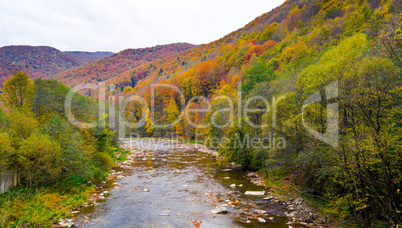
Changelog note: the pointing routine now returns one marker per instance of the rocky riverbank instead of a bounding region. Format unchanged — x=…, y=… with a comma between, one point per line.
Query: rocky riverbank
x=300, y=213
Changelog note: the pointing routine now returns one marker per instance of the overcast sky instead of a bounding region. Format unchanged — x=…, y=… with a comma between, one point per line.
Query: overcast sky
x=100, y=25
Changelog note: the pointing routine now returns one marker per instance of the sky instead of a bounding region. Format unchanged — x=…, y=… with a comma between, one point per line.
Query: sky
x=101, y=25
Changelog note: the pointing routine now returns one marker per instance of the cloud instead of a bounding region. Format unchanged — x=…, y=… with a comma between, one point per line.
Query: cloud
x=100, y=25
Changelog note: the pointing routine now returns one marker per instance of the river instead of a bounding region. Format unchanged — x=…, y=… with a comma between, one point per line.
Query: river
x=168, y=186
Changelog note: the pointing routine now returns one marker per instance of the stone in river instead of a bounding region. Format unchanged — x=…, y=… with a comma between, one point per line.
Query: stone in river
x=233, y=185
x=254, y=193
x=261, y=220
x=219, y=210
x=269, y=198
x=258, y=211
x=146, y=190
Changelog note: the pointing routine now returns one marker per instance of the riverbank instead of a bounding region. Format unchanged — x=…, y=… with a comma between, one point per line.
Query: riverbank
x=42, y=208
x=54, y=206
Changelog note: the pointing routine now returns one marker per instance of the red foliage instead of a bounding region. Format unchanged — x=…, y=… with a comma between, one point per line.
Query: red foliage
x=35, y=61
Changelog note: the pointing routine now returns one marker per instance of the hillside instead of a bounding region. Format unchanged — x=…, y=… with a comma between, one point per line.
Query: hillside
x=86, y=57
x=118, y=63
x=296, y=31
x=39, y=61
x=342, y=151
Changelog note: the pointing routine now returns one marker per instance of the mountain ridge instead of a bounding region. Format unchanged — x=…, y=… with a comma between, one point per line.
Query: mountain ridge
x=111, y=66
x=37, y=61
x=86, y=57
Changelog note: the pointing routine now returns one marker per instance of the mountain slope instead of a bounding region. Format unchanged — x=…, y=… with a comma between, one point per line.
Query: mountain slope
x=296, y=31
x=37, y=62
x=86, y=57
x=323, y=77
x=118, y=63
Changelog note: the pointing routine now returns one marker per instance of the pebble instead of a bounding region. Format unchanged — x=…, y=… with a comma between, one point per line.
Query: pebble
x=261, y=220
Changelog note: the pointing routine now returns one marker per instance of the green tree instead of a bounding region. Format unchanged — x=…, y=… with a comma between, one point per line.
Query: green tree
x=237, y=149
x=39, y=160
x=49, y=97
x=258, y=72
x=74, y=157
x=6, y=152
x=22, y=126
x=268, y=32
x=18, y=91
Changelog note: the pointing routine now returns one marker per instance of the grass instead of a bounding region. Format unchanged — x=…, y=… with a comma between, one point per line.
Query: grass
x=42, y=208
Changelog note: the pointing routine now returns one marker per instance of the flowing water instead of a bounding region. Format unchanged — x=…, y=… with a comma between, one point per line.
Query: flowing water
x=184, y=186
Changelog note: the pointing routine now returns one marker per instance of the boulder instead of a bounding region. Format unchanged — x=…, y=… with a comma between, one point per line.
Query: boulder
x=220, y=210
x=269, y=198
x=254, y=193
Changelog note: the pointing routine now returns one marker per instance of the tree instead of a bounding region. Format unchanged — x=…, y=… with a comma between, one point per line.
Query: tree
x=267, y=33
x=171, y=112
x=149, y=125
x=258, y=72
x=390, y=39
x=22, y=126
x=49, y=97
x=39, y=160
x=18, y=91
x=6, y=152
x=74, y=154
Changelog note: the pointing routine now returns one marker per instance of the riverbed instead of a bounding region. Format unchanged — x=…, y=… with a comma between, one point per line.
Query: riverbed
x=168, y=185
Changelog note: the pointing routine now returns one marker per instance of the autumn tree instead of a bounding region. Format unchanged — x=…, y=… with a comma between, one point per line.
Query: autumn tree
x=171, y=112
x=6, y=152
x=18, y=91
x=39, y=160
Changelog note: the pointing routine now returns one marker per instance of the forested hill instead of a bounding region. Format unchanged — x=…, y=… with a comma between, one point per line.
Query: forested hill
x=39, y=61
x=282, y=38
x=86, y=57
x=118, y=63
x=348, y=54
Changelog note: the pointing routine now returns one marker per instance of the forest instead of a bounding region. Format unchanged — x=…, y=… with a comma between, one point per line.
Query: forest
x=58, y=164
x=330, y=72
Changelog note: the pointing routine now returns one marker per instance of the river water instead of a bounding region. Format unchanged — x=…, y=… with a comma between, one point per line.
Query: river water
x=184, y=186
